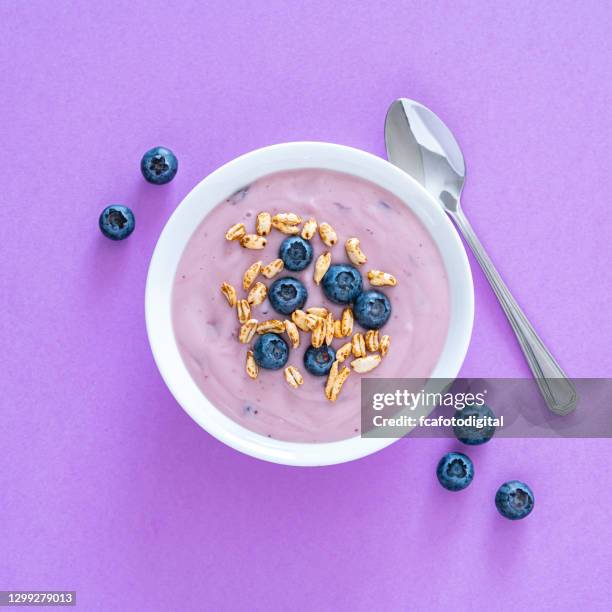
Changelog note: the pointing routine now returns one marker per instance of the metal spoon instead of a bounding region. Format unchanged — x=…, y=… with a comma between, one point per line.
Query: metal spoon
x=419, y=143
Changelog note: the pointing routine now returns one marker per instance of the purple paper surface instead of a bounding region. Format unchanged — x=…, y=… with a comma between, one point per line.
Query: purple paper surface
x=106, y=486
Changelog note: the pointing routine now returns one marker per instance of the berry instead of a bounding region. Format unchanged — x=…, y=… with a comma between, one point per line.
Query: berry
x=159, y=165
x=270, y=352
x=514, y=500
x=372, y=309
x=117, y=222
x=318, y=361
x=296, y=253
x=342, y=283
x=287, y=294
x=470, y=434
x=455, y=471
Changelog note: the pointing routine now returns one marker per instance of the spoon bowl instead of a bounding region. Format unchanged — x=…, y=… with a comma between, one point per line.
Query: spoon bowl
x=428, y=147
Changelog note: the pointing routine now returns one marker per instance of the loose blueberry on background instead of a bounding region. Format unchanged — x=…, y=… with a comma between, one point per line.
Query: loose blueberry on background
x=117, y=222
x=159, y=165
x=296, y=253
x=342, y=283
x=455, y=471
x=372, y=309
x=470, y=434
x=270, y=352
x=287, y=294
x=514, y=500
x=318, y=361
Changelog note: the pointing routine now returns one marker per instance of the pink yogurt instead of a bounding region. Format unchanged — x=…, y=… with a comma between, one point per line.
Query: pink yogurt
x=206, y=328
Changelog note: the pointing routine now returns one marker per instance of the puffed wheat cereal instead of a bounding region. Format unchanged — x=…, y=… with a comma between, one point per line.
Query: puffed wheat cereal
x=230, y=294
x=366, y=364
x=322, y=266
x=293, y=377
x=236, y=232
x=252, y=369
x=253, y=241
x=263, y=224
x=354, y=252
x=250, y=275
x=379, y=278
x=328, y=234
x=273, y=268
x=309, y=229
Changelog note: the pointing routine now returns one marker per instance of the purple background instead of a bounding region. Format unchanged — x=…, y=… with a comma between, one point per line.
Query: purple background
x=106, y=485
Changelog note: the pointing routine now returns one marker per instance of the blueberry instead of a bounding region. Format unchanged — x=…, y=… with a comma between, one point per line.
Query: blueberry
x=372, y=309
x=470, y=434
x=296, y=253
x=287, y=294
x=342, y=283
x=159, y=165
x=270, y=352
x=318, y=361
x=514, y=500
x=455, y=471
x=117, y=222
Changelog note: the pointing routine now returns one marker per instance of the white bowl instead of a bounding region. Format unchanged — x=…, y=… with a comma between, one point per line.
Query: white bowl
x=214, y=189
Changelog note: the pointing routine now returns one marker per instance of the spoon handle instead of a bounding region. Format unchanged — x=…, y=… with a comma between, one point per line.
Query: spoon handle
x=559, y=393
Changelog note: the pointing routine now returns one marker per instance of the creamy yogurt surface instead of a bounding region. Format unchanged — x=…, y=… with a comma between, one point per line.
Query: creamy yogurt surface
x=206, y=327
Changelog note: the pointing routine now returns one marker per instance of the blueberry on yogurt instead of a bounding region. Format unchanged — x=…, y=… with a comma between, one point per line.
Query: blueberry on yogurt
x=318, y=361
x=159, y=165
x=117, y=222
x=342, y=283
x=514, y=500
x=296, y=253
x=455, y=471
x=270, y=352
x=372, y=309
x=287, y=294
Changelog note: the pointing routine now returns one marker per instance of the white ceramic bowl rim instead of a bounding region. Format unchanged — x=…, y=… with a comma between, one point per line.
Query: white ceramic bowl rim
x=230, y=178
